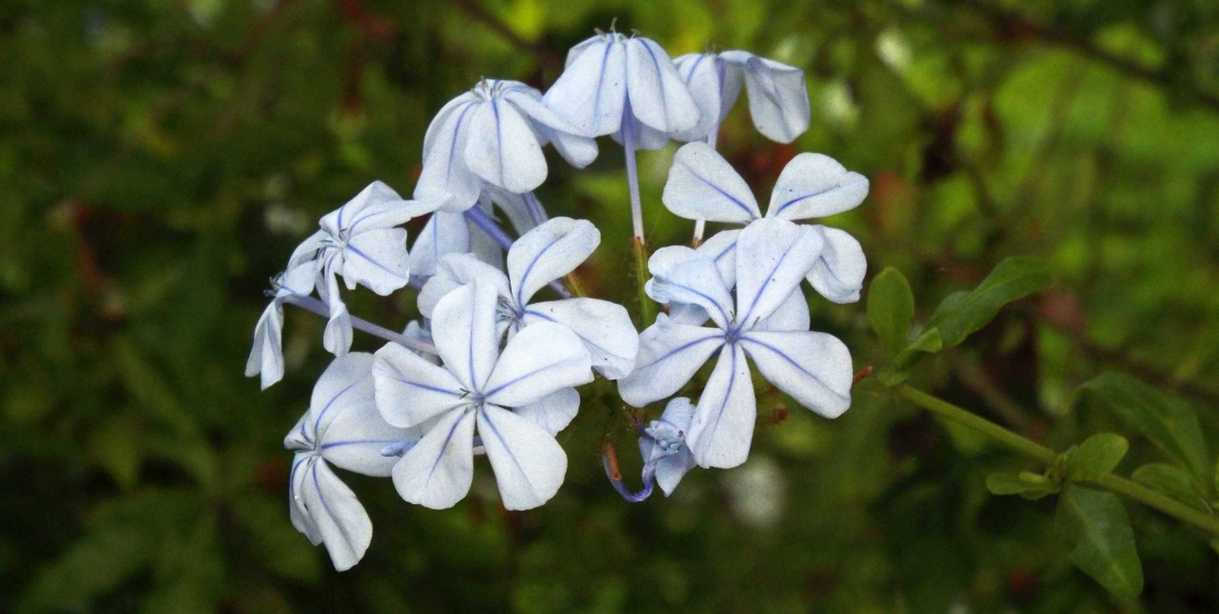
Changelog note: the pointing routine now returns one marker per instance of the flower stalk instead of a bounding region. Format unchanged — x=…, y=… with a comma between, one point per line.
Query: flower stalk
x=313, y=305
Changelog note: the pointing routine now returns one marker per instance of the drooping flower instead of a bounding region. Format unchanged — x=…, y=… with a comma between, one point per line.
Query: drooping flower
x=267, y=354
x=773, y=256
x=342, y=428
x=614, y=83
x=361, y=243
x=778, y=97
x=703, y=185
x=666, y=456
x=501, y=393
x=540, y=256
x=493, y=135
x=447, y=233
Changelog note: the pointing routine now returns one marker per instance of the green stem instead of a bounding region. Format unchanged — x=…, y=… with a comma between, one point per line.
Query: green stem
x=647, y=311
x=1047, y=456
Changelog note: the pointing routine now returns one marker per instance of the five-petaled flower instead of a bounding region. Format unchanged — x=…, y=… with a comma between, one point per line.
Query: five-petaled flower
x=359, y=241
x=343, y=428
x=772, y=257
x=494, y=133
x=615, y=84
x=540, y=256
x=518, y=398
x=778, y=97
x=703, y=185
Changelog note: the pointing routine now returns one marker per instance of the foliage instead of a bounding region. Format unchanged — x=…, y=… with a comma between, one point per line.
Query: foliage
x=160, y=159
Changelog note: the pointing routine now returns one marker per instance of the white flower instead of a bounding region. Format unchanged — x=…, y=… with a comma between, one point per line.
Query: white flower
x=778, y=97
x=479, y=385
x=359, y=242
x=613, y=83
x=542, y=255
x=702, y=185
x=343, y=428
x=773, y=255
x=267, y=354
x=494, y=134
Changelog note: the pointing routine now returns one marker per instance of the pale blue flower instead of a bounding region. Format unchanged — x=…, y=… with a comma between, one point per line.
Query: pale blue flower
x=666, y=456
x=267, y=355
x=361, y=243
x=773, y=256
x=613, y=83
x=342, y=428
x=778, y=97
x=477, y=385
x=703, y=185
x=493, y=135
x=540, y=256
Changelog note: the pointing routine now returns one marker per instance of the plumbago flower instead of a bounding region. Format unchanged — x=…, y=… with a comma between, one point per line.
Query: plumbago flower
x=507, y=395
x=778, y=97
x=539, y=257
x=666, y=457
x=627, y=87
x=493, y=135
x=773, y=256
x=267, y=354
x=342, y=428
x=358, y=242
x=702, y=185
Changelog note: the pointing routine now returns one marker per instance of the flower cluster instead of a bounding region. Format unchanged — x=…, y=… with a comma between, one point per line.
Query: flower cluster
x=493, y=365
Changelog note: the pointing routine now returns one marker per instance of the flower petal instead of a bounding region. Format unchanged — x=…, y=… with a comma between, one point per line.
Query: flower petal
x=669, y=355
x=376, y=206
x=344, y=383
x=524, y=211
x=529, y=465
x=444, y=117
x=341, y=522
x=539, y=360
x=702, y=185
x=444, y=233
x=839, y=272
x=438, y=471
x=772, y=258
x=457, y=270
x=336, y=337
x=814, y=185
x=547, y=253
x=813, y=368
x=503, y=149
x=297, y=511
x=701, y=74
x=722, y=429
x=579, y=151
x=778, y=96
x=792, y=314
x=721, y=248
x=591, y=92
x=378, y=260
x=445, y=177
x=266, y=355
x=659, y=98
x=605, y=328
x=554, y=411
x=671, y=469
x=463, y=325
x=411, y=390
x=358, y=433
x=680, y=275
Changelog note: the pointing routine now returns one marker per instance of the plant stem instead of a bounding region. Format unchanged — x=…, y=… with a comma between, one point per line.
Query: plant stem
x=1047, y=456
x=647, y=311
x=632, y=173
x=313, y=305
x=700, y=226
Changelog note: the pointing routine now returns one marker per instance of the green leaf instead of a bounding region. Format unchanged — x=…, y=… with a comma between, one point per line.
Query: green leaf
x=890, y=308
x=1168, y=422
x=1172, y=481
x=963, y=313
x=1096, y=456
x=1095, y=526
x=1027, y=484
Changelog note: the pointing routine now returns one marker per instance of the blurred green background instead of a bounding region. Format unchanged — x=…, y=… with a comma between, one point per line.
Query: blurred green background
x=160, y=159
